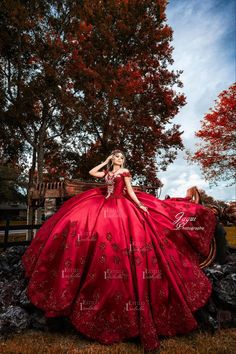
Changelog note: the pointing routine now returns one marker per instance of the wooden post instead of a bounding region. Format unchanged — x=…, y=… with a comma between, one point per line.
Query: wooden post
x=30, y=210
x=6, y=234
x=30, y=215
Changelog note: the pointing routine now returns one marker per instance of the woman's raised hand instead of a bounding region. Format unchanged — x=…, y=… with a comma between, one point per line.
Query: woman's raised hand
x=108, y=159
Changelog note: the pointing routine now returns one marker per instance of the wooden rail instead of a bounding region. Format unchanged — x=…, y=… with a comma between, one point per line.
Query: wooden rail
x=6, y=243
x=69, y=188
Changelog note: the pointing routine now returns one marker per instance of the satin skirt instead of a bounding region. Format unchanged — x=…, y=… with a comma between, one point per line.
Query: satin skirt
x=118, y=272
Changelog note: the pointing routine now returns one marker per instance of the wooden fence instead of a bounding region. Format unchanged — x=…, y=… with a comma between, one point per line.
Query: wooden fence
x=43, y=195
x=5, y=233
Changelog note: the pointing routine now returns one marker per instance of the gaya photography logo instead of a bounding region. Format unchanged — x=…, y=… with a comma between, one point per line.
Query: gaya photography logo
x=135, y=305
x=88, y=305
x=86, y=236
x=116, y=274
x=71, y=273
x=152, y=274
x=113, y=213
x=181, y=221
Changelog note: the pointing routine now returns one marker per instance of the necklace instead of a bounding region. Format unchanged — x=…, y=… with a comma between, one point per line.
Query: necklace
x=110, y=182
x=114, y=173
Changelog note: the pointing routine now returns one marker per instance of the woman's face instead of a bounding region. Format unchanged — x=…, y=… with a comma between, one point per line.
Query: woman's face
x=118, y=158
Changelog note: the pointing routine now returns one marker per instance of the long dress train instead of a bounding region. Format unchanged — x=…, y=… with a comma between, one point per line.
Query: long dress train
x=118, y=272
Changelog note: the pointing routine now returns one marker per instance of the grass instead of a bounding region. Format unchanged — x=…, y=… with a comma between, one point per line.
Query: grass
x=231, y=235
x=38, y=342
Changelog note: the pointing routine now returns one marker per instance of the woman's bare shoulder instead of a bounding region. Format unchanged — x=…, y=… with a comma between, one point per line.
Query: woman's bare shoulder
x=124, y=170
x=126, y=173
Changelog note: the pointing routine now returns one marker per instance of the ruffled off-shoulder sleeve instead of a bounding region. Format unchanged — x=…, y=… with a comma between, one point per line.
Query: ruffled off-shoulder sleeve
x=126, y=174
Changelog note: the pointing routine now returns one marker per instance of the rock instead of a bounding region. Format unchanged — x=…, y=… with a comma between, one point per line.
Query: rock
x=10, y=292
x=24, y=301
x=38, y=320
x=225, y=291
x=223, y=298
x=214, y=273
x=13, y=318
x=10, y=263
x=226, y=318
x=18, y=313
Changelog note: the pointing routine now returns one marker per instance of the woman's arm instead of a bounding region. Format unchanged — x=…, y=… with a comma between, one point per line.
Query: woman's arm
x=132, y=194
x=94, y=171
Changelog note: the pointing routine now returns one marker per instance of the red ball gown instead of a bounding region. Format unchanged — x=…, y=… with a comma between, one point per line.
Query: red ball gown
x=118, y=272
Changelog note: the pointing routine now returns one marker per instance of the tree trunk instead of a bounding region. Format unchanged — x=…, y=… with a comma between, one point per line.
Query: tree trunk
x=40, y=165
x=30, y=210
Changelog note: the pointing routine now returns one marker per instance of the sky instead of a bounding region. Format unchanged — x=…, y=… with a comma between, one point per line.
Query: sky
x=204, y=42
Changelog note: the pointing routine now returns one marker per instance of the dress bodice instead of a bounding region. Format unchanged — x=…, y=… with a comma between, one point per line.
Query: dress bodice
x=115, y=184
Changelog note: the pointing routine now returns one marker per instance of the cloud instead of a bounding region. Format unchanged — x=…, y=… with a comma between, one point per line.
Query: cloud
x=203, y=48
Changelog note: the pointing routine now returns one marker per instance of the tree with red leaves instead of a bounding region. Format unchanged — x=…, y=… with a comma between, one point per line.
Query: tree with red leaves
x=216, y=152
x=79, y=79
x=120, y=54
x=37, y=108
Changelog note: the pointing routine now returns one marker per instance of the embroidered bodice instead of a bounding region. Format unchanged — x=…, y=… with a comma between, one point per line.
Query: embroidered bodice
x=115, y=183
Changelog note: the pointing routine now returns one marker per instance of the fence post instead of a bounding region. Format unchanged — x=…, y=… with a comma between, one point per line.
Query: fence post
x=6, y=234
x=30, y=221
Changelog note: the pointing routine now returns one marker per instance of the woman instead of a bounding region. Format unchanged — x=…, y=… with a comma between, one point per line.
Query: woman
x=120, y=263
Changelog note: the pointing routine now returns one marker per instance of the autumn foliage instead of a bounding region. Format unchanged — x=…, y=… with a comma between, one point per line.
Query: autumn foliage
x=216, y=152
x=79, y=79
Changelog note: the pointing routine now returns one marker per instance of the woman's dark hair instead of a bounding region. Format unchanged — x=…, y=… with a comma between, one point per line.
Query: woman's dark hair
x=109, y=165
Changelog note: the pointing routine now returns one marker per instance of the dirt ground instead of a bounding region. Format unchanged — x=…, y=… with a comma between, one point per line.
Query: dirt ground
x=38, y=342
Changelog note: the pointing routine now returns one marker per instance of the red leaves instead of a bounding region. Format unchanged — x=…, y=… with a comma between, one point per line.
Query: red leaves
x=168, y=96
x=33, y=60
x=103, y=77
x=215, y=154
x=70, y=85
x=84, y=31
x=85, y=28
x=163, y=33
x=75, y=54
x=129, y=80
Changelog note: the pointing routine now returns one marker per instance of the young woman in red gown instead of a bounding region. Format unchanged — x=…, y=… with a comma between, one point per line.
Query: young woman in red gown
x=120, y=263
